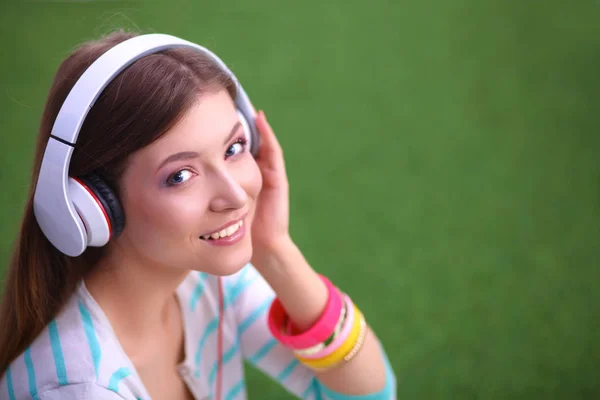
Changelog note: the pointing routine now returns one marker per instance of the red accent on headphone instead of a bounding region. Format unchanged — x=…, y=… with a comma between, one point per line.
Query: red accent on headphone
x=220, y=340
x=99, y=205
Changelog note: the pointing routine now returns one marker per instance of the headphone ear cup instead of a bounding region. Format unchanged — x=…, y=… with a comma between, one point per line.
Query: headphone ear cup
x=91, y=212
x=98, y=207
x=109, y=201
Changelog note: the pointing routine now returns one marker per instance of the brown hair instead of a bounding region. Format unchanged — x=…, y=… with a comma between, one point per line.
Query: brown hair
x=134, y=110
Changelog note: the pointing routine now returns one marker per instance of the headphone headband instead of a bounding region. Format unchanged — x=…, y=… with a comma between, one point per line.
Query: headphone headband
x=54, y=209
x=94, y=80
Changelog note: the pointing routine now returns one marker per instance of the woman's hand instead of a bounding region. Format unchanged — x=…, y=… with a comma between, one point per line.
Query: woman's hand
x=270, y=226
x=297, y=286
x=275, y=256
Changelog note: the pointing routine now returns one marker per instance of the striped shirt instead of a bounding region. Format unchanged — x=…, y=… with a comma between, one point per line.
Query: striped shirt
x=78, y=356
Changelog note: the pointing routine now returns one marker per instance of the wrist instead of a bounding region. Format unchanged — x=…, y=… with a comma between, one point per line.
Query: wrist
x=276, y=254
x=299, y=288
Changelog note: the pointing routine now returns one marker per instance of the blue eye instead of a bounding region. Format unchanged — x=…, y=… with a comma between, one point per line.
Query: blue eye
x=179, y=177
x=238, y=147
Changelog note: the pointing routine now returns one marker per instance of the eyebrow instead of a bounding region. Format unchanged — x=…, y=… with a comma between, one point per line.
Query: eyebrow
x=188, y=155
x=182, y=155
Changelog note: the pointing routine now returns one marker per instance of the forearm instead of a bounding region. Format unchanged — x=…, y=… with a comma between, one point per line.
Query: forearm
x=304, y=296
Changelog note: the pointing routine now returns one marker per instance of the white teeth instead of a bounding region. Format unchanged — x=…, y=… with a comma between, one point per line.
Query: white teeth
x=230, y=230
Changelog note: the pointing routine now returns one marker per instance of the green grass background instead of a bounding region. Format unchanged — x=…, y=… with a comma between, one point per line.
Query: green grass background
x=443, y=157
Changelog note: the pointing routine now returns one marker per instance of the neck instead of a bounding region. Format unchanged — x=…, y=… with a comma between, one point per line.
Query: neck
x=138, y=299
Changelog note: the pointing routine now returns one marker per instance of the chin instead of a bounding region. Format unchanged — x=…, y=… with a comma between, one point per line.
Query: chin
x=225, y=261
x=226, y=270
x=229, y=268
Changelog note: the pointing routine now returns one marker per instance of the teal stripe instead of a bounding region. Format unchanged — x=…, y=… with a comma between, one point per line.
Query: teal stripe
x=263, y=351
x=235, y=390
x=9, y=385
x=117, y=377
x=254, y=315
x=210, y=328
x=307, y=392
x=237, y=290
x=90, y=333
x=313, y=388
x=287, y=370
x=227, y=356
x=240, y=278
x=233, y=291
x=30, y=374
x=59, y=361
x=198, y=290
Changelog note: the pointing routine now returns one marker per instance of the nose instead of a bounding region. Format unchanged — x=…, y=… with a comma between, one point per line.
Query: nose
x=228, y=194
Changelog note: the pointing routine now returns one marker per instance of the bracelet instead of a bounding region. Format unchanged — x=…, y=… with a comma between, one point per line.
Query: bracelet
x=340, y=352
x=290, y=329
x=315, y=351
x=316, y=334
x=341, y=338
x=359, y=344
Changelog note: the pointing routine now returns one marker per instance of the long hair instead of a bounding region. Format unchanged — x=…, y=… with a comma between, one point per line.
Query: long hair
x=135, y=109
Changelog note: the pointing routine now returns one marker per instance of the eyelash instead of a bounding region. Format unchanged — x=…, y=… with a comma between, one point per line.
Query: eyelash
x=241, y=140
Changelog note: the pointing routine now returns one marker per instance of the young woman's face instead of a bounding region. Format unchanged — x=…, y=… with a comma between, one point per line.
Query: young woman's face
x=196, y=183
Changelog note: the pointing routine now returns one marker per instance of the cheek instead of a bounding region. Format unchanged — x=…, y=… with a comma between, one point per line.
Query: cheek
x=252, y=179
x=155, y=214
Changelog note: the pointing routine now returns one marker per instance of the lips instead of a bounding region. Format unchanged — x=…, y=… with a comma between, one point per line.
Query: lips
x=225, y=232
x=233, y=234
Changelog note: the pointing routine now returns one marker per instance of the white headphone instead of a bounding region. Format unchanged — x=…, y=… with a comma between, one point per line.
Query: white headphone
x=76, y=212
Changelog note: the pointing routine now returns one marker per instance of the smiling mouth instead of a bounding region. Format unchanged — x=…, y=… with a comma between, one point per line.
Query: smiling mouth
x=225, y=232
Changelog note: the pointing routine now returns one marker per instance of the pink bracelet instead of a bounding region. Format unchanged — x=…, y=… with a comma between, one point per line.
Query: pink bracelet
x=317, y=333
x=341, y=338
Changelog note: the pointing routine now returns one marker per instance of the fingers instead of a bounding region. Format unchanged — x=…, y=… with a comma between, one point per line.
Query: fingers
x=269, y=143
x=270, y=155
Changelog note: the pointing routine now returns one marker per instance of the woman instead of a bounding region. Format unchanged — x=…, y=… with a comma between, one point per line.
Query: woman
x=204, y=274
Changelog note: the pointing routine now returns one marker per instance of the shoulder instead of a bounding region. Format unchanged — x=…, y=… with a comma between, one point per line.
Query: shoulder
x=73, y=354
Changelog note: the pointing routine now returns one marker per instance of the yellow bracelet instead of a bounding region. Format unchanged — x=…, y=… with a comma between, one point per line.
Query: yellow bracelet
x=346, y=347
x=359, y=344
